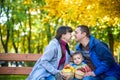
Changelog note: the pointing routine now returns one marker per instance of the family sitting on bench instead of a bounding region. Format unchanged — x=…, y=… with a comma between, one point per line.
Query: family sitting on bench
x=57, y=54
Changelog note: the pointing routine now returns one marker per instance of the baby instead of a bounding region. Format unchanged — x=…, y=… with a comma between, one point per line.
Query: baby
x=80, y=67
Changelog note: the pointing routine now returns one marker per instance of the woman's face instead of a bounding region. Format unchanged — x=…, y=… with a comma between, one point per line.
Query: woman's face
x=77, y=59
x=67, y=37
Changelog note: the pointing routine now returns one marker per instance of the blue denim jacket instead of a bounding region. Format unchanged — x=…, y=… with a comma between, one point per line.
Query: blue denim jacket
x=102, y=58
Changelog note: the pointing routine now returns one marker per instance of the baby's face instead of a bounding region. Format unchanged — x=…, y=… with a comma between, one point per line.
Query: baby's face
x=77, y=59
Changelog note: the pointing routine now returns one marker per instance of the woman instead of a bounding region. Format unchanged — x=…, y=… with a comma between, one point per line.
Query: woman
x=55, y=56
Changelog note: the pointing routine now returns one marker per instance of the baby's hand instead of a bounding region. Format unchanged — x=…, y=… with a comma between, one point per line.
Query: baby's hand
x=81, y=69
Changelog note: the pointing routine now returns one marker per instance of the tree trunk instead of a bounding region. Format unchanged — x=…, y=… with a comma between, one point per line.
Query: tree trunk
x=29, y=36
x=111, y=40
x=5, y=42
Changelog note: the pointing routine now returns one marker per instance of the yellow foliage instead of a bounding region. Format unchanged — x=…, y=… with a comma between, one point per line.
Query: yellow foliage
x=117, y=48
x=27, y=2
x=83, y=11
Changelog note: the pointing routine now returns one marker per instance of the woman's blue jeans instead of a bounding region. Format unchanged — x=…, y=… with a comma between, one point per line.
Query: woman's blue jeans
x=51, y=77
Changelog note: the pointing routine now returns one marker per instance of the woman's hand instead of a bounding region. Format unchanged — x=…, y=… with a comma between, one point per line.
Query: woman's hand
x=63, y=76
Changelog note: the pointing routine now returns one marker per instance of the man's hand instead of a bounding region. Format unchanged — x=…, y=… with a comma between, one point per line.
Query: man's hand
x=91, y=73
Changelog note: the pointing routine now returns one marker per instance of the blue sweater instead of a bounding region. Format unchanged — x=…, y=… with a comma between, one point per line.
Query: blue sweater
x=102, y=58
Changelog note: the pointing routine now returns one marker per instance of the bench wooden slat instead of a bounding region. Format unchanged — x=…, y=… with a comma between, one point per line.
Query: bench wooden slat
x=15, y=70
x=19, y=57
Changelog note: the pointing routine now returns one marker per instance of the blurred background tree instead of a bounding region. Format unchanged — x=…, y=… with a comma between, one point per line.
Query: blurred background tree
x=27, y=26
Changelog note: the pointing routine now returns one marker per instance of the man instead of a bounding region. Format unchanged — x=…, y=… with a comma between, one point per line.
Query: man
x=97, y=55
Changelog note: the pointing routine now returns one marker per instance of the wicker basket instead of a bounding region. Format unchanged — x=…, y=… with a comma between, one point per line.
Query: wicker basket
x=68, y=74
x=79, y=74
x=68, y=71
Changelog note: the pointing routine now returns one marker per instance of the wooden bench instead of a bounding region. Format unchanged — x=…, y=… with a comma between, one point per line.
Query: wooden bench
x=17, y=57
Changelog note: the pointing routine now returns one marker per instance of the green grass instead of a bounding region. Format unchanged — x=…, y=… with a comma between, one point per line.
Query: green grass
x=12, y=77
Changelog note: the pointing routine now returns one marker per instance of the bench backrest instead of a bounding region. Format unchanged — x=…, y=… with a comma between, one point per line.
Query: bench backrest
x=18, y=57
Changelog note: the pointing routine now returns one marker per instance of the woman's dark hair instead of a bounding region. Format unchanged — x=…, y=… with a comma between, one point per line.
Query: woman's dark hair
x=85, y=29
x=60, y=31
